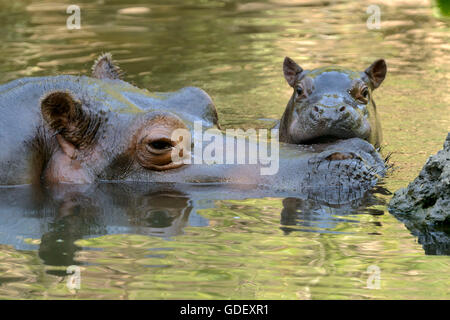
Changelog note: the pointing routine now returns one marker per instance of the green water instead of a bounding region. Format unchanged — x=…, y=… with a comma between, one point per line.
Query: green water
x=255, y=248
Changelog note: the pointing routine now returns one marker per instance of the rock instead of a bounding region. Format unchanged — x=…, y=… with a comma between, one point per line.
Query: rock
x=427, y=199
x=424, y=206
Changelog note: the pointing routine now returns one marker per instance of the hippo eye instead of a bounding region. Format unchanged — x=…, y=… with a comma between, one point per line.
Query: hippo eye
x=299, y=91
x=365, y=93
x=160, y=145
x=154, y=145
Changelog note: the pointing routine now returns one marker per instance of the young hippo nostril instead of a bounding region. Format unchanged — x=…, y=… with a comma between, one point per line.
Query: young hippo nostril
x=342, y=109
x=315, y=113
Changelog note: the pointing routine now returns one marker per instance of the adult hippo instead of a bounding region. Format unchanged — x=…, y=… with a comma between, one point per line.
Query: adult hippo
x=69, y=129
x=76, y=129
x=331, y=103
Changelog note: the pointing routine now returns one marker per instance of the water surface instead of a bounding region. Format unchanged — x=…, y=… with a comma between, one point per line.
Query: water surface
x=185, y=242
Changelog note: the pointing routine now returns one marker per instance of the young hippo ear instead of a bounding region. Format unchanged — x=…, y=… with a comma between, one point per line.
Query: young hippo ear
x=66, y=116
x=376, y=72
x=106, y=68
x=291, y=71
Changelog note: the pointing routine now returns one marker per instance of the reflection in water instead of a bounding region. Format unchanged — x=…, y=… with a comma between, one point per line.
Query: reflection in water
x=77, y=215
x=435, y=240
x=61, y=216
x=314, y=216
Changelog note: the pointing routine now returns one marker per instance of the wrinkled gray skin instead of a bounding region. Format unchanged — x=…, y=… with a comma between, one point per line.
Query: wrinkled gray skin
x=331, y=103
x=302, y=170
x=83, y=130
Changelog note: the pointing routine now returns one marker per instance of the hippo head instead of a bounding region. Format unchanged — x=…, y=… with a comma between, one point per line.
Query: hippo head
x=97, y=144
x=331, y=103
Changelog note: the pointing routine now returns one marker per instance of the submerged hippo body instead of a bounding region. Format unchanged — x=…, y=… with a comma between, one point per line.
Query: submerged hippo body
x=68, y=129
x=331, y=103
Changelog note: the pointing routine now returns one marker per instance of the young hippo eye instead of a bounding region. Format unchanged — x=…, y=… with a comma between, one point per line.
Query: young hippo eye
x=362, y=95
x=365, y=93
x=299, y=91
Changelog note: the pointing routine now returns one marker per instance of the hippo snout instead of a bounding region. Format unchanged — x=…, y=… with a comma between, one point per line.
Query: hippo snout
x=321, y=113
x=320, y=123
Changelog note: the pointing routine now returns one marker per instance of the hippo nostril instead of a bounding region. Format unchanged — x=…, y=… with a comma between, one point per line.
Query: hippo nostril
x=316, y=109
x=342, y=109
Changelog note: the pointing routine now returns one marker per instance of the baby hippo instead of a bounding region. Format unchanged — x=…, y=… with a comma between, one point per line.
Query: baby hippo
x=331, y=103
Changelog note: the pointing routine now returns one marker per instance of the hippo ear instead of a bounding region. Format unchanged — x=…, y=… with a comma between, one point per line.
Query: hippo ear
x=65, y=115
x=291, y=71
x=106, y=68
x=376, y=72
